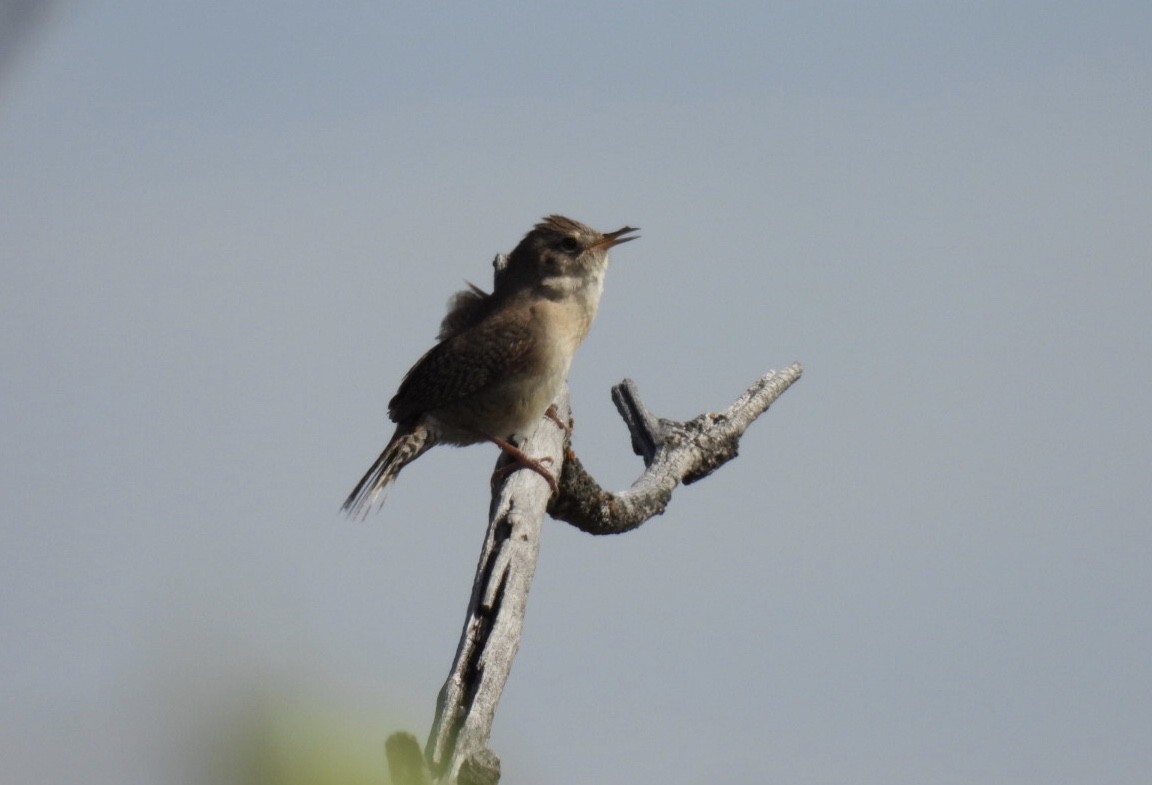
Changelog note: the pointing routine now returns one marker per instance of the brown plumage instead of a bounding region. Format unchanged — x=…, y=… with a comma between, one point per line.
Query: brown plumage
x=501, y=357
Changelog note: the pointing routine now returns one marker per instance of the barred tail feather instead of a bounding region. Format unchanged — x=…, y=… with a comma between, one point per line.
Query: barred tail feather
x=406, y=445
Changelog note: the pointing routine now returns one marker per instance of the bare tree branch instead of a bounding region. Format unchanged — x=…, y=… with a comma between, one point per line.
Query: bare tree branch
x=674, y=452
x=457, y=747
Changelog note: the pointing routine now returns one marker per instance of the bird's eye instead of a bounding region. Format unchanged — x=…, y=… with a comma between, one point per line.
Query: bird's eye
x=569, y=245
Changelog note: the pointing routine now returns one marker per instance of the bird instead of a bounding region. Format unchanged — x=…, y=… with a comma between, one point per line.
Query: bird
x=500, y=358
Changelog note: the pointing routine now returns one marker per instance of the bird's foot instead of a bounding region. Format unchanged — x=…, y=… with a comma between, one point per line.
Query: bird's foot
x=554, y=416
x=523, y=460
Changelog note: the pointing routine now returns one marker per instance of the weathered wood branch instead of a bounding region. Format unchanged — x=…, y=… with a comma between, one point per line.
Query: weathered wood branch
x=673, y=453
x=457, y=747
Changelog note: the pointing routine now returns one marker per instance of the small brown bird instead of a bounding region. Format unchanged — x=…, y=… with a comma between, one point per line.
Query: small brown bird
x=501, y=357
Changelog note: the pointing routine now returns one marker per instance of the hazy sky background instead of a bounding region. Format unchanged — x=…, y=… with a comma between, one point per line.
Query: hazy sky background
x=226, y=230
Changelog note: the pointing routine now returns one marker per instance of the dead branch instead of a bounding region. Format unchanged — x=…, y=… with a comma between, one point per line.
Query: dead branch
x=673, y=453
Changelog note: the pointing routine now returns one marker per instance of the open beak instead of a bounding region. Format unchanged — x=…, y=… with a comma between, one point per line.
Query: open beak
x=615, y=238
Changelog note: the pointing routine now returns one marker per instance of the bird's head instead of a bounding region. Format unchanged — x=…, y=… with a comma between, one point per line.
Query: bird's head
x=560, y=258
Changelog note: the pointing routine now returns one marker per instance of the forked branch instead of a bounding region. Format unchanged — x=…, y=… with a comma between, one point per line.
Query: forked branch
x=674, y=452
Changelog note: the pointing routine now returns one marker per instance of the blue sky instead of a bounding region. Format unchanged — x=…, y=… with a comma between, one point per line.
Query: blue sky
x=226, y=232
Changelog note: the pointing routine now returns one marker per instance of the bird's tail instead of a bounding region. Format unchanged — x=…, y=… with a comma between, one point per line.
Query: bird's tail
x=406, y=445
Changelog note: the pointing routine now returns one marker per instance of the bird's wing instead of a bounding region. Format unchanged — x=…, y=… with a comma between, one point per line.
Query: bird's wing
x=464, y=364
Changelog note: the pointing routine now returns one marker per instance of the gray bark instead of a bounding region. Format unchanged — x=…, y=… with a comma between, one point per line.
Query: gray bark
x=673, y=453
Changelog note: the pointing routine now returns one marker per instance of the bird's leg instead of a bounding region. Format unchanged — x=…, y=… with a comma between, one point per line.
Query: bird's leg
x=554, y=416
x=525, y=461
